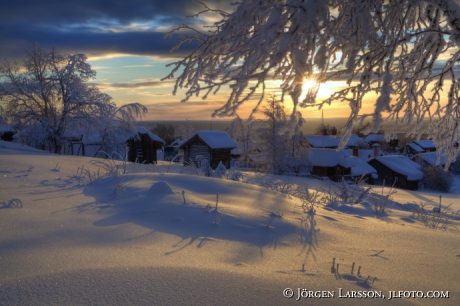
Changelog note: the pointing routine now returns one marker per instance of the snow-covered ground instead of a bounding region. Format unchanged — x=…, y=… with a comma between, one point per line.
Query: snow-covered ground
x=132, y=240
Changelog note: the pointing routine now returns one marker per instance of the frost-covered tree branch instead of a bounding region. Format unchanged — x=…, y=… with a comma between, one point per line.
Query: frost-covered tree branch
x=49, y=97
x=405, y=51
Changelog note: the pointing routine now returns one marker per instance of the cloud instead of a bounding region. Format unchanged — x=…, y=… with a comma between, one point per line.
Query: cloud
x=140, y=83
x=95, y=27
x=138, y=66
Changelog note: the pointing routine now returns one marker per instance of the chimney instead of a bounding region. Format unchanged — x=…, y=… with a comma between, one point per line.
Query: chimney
x=334, y=131
x=355, y=151
x=324, y=131
x=376, y=148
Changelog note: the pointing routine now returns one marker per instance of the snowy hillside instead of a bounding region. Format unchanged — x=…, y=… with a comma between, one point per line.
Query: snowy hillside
x=158, y=238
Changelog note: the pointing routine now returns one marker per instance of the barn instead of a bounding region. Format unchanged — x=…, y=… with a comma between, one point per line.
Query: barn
x=213, y=146
x=397, y=170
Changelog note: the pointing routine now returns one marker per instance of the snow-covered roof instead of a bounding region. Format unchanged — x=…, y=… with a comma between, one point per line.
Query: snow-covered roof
x=403, y=165
x=415, y=147
x=4, y=128
x=425, y=144
x=361, y=167
x=375, y=138
x=431, y=157
x=214, y=139
x=143, y=130
x=330, y=158
x=331, y=141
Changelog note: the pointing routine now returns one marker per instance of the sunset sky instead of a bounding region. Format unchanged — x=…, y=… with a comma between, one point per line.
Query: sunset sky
x=124, y=43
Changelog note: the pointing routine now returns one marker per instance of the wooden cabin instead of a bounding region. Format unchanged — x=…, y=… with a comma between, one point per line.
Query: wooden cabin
x=142, y=148
x=396, y=170
x=213, y=146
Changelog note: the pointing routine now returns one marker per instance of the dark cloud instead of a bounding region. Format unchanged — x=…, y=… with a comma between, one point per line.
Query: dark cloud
x=19, y=37
x=94, y=27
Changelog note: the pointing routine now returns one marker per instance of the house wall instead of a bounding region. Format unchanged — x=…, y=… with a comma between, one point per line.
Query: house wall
x=194, y=150
x=220, y=155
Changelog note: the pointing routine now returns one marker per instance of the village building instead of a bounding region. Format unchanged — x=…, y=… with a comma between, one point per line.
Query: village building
x=212, y=146
x=381, y=139
x=396, y=170
x=420, y=146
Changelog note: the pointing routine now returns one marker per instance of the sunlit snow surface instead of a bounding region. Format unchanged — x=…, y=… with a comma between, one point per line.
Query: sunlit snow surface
x=133, y=240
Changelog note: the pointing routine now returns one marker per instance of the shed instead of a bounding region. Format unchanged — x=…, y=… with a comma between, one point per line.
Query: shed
x=143, y=146
x=213, y=146
x=398, y=170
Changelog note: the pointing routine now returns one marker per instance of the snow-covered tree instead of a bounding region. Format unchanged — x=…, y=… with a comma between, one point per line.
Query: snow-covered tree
x=117, y=125
x=48, y=97
x=279, y=140
x=406, y=51
x=220, y=171
x=242, y=131
x=272, y=136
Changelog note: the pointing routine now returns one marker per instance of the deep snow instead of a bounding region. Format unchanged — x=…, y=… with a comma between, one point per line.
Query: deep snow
x=133, y=240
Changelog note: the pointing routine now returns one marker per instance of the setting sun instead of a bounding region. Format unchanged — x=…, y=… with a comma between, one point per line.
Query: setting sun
x=309, y=84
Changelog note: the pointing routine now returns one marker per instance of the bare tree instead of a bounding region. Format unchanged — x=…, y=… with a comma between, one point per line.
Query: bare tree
x=164, y=131
x=186, y=131
x=406, y=51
